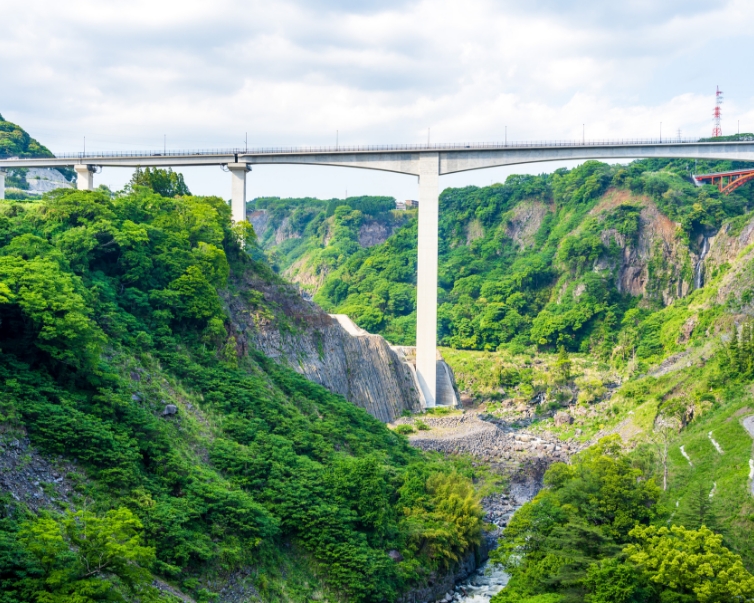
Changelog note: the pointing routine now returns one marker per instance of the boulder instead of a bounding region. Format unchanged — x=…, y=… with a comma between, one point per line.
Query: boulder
x=170, y=409
x=563, y=418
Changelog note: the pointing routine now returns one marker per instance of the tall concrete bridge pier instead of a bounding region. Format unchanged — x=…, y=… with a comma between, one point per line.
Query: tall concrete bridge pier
x=426, y=162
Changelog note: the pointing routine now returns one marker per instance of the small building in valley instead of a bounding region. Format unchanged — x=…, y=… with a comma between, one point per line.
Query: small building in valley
x=407, y=204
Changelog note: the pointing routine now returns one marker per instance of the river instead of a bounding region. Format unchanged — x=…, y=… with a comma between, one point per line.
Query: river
x=484, y=584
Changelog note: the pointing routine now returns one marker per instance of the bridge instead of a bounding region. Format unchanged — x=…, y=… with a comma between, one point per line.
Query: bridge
x=726, y=182
x=427, y=162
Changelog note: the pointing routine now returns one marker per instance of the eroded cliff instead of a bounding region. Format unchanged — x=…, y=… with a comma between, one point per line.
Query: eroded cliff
x=361, y=367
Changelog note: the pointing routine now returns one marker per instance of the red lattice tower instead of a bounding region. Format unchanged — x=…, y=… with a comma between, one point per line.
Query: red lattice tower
x=717, y=130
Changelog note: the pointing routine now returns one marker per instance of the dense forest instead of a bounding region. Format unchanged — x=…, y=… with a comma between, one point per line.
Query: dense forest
x=595, y=533
x=187, y=459
x=534, y=261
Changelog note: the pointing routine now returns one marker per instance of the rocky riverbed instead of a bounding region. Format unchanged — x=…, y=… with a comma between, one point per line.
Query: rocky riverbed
x=520, y=455
x=490, y=441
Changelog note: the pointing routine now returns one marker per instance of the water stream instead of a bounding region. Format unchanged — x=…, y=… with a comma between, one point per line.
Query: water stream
x=481, y=586
x=489, y=579
x=699, y=268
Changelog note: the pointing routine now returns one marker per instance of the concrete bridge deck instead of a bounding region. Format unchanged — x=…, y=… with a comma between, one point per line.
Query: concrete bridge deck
x=428, y=162
x=453, y=157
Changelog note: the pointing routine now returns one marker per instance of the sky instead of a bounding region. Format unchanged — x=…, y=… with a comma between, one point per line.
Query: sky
x=130, y=75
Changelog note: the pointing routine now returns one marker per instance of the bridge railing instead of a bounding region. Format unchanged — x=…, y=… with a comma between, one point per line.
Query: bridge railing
x=383, y=148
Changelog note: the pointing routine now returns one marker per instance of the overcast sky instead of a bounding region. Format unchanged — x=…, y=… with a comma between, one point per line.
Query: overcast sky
x=125, y=74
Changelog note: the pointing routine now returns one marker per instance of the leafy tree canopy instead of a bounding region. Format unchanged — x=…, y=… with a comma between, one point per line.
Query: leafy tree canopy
x=163, y=182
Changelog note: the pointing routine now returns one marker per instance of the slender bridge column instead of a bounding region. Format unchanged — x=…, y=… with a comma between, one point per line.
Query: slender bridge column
x=2, y=183
x=84, y=177
x=238, y=190
x=426, y=282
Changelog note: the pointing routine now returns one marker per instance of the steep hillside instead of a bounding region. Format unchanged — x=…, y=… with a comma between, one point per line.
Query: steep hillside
x=306, y=239
x=143, y=436
x=566, y=259
x=16, y=142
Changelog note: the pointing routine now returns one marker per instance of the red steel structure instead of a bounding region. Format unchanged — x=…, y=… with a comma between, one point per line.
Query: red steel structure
x=717, y=130
x=726, y=182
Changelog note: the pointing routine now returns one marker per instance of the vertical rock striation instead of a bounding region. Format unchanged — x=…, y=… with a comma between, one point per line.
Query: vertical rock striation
x=348, y=361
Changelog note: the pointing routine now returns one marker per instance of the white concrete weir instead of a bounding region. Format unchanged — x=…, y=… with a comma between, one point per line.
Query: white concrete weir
x=428, y=162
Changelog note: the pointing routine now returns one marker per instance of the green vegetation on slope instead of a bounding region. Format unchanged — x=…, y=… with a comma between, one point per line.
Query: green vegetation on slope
x=109, y=311
x=588, y=536
x=535, y=261
x=318, y=236
x=16, y=142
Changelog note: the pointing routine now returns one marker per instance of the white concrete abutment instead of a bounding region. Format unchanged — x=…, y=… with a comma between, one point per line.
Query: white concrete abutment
x=3, y=173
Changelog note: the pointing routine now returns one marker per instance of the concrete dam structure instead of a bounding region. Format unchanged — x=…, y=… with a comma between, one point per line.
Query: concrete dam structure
x=426, y=162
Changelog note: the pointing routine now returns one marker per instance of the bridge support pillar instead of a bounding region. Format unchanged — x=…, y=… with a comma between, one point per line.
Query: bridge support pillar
x=84, y=177
x=238, y=190
x=3, y=173
x=426, y=282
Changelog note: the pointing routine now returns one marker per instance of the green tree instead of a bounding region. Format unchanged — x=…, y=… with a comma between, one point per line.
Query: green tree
x=699, y=509
x=163, y=182
x=691, y=562
x=87, y=558
x=43, y=306
x=583, y=516
x=615, y=581
x=563, y=365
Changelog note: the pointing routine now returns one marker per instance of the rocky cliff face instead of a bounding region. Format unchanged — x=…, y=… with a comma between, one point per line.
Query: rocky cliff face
x=373, y=232
x=731, y=251
x=656, y=264
x=524, y=221
x=363, y=368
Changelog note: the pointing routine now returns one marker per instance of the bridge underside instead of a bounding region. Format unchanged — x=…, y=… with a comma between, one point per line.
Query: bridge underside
x=428, y=163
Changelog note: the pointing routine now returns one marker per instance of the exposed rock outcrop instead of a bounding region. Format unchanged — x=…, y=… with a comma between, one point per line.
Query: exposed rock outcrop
x=362, y=367
x=260, y=220
x=44, y=180
x=524, y=221
x=304, y=273
x=656, y=264
x=733, y=248
x=503, y=448
x=32, y=479
x=474, y=231
x=373, y=232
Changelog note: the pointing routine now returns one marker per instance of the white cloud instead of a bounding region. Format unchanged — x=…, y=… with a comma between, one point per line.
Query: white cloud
x=123, y=74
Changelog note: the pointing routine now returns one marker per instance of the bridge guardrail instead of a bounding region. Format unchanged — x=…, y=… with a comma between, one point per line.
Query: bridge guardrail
x=383, y=148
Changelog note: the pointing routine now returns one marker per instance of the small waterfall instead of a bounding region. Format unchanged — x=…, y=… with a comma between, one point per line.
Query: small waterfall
x=699, y=268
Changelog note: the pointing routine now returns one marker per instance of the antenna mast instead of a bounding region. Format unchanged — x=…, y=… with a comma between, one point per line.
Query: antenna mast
x=717, y=129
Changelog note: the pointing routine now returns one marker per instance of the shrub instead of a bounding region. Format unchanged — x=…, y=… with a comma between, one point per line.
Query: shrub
x=404, y=429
